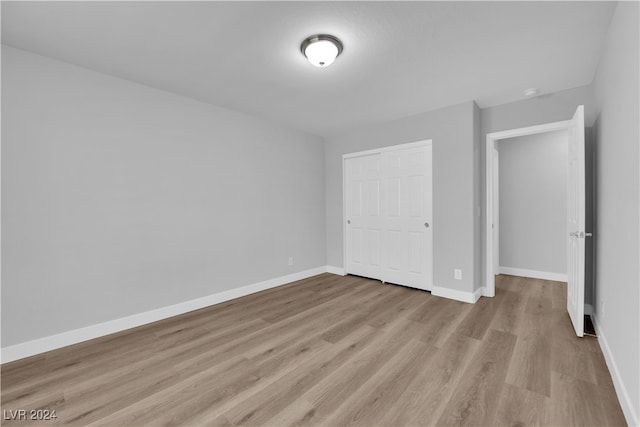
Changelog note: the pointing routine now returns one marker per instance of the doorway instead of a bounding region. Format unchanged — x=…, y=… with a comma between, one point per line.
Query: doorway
x=530, y=206
x=575, y=213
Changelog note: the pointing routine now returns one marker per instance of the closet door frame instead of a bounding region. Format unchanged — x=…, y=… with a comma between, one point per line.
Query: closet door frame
x=345, y=157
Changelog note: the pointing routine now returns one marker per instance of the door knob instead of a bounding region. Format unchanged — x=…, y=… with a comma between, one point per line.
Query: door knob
x=580, y=234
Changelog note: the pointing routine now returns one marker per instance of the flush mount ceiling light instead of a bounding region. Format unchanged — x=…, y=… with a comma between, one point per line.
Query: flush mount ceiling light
x=321, y=49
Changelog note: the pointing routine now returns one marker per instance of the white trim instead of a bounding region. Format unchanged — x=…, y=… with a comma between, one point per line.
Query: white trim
x=531, y=130
x=490, y=189
x=478, y=293
x=344, y=215
x=623, y=395
x=52, y=342
x=336, y=270
x=544, y=275
x=470, y=297
x=416, y=144
x=492, y=138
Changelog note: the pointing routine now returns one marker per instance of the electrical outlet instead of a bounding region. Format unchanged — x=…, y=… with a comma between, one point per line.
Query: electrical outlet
x=457, y=274
x=290, y=260
x=601, y=314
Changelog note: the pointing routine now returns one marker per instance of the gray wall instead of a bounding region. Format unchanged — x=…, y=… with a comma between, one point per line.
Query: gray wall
x=618, y=197
x=452, y=132
x=539, y=110
x=118, y=198
x=533, y=202
x=590, y=221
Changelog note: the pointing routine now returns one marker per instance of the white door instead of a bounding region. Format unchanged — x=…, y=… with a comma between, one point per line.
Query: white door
x=407, y=217
x=576, y=221
x=364, y=224
x=389, y=230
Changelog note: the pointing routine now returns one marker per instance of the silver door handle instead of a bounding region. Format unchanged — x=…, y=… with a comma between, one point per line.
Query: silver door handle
x=580, y=234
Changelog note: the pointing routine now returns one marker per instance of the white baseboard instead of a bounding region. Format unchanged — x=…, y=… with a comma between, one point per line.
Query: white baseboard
x=52, y=342
x=621, y=390
x=336, y=270
x=470, y=297
x=544, y=275
x=485, y=292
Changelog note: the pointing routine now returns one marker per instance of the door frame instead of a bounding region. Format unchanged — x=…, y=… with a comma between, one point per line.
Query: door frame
x=492, y=192
x=416, y=144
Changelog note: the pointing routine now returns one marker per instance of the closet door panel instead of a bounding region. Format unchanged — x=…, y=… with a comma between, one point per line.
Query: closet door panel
x=389, y=207
x=363, y=212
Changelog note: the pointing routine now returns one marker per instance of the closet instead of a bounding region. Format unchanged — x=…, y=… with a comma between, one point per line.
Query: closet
x=388, y=214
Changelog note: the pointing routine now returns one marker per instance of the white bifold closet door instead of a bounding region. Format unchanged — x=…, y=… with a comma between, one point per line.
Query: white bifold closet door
x=389, y=230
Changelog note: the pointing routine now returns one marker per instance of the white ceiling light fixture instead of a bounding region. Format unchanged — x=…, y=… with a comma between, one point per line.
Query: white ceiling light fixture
x=321, y=49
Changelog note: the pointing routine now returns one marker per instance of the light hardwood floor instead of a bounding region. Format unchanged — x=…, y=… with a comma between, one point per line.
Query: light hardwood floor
x=333, y=351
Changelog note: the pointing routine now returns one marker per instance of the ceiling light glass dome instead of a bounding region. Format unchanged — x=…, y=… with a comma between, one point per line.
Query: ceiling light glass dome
x=321, y=49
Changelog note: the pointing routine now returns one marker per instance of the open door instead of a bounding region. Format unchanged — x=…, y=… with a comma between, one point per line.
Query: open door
x=576, y=221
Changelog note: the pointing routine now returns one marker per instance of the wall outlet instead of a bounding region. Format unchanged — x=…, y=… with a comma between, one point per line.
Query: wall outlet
x=290, y=260
x=457, y=274
x=601, y=313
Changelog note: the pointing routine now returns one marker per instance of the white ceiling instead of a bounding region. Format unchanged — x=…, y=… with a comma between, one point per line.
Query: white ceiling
x=399, y=59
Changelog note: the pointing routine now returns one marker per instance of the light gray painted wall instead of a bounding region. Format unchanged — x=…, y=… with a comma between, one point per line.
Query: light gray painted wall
x=451, y=130
x=533, y=202
x=118, y=198
x=590, y=221
x=548, y=108
x=618, y=198
x=539, y=110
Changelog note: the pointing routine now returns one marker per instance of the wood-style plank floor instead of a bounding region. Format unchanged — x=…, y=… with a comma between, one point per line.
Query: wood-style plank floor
x=333, y=351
